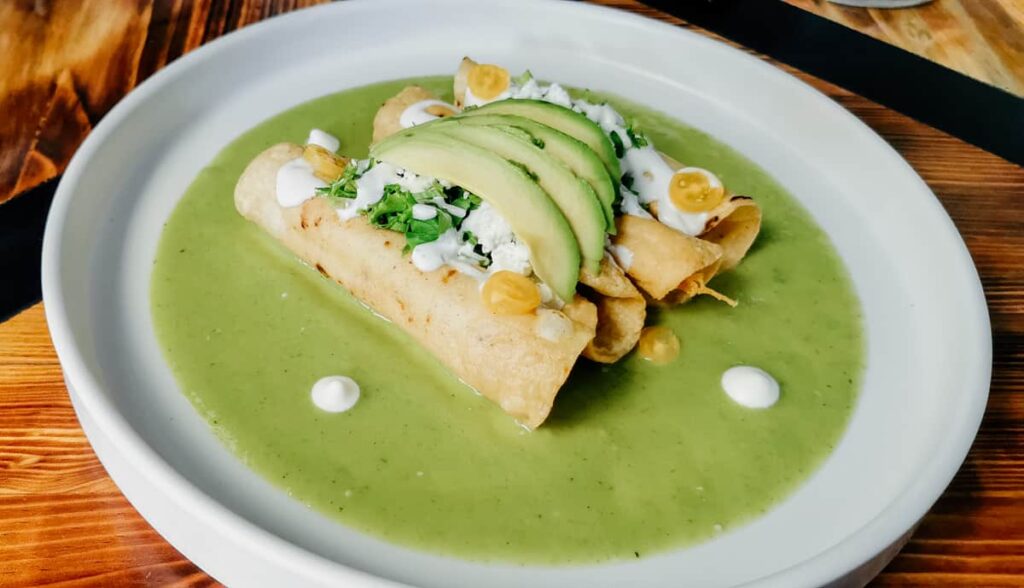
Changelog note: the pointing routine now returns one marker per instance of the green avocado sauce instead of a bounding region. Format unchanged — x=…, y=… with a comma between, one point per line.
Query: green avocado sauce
x=635, y=458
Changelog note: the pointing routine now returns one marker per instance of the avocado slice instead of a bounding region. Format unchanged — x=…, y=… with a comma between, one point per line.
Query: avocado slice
x=533, y=216
x=573, y=196
x=563, y=119
x=570, y=151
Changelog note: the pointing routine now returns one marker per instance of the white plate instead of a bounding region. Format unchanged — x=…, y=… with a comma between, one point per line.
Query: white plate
x=929, y=350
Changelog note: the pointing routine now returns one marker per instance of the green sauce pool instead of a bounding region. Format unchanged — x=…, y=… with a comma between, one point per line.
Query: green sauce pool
x=635, y=459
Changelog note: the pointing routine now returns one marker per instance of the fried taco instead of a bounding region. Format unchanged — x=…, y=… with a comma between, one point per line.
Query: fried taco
x=509, y=233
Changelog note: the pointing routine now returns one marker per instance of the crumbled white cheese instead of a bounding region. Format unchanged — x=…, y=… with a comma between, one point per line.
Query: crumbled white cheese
x=513, y=256
x=557, y=95
x=630, y=204
x=605, y=116
x=531, y=90
x=495, y=236
x=423, y=212
x=490, y=228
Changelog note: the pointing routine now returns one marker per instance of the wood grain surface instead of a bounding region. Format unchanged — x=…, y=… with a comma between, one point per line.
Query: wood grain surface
x=980, y=38
x=64, y=523
x=67, y=62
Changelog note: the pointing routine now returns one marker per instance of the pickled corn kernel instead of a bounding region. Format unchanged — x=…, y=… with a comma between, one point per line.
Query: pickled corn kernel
x=510, y=293
x=487, y=82
x=658, y=345
x=440, y=110
x=691, y=191
x=326, y=165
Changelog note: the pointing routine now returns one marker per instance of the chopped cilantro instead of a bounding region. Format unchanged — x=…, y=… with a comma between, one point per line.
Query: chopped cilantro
x=394, y=210
x=345, y=186
x=467, y=201
x=425, y=231
x=627, y=182
x=434, y=191
x=636, y=137
x=620, y=149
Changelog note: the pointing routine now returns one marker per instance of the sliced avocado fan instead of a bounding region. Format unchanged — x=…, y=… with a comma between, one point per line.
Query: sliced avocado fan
x=570, y=151
x=574, y=197
x=563, y=119
x=531, y=213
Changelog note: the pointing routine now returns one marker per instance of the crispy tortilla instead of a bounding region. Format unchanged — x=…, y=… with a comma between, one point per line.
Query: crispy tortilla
x=662, y=257
x=387, y=121
x=621, y=311
x=621, y=308
x=519, y=362
x=733, y=224
x=462, y=81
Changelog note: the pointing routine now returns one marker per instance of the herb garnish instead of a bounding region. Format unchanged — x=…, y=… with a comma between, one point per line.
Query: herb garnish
x=394, y=212
x=620, y=149
x=636, y=137
x=394, y=209
x=345, y=186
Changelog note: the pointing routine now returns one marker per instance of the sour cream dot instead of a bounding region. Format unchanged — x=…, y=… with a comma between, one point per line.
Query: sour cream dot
x=416, y=114
x=335, y=393
x=296, y=183
x=750, y=386
x=323, y=139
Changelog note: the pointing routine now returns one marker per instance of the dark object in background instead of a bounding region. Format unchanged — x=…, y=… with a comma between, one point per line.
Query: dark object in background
x=21, y=248
x=949, y=101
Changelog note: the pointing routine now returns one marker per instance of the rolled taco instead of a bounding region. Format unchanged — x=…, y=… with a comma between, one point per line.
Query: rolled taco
x=621, y=312
x=413, y=105
x=523, y=230
x=519, y=361
x=690, y=200
x=662, y=261
x=621, y=307
x=733, y=224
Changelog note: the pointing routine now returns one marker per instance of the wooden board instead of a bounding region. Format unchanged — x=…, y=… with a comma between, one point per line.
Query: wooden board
x=980, y=38
x=63, y=522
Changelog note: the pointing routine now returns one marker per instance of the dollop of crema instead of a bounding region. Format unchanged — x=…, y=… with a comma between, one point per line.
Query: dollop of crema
x=295, y=180
x=417, y=113
x=750, y=386
x=335, y=393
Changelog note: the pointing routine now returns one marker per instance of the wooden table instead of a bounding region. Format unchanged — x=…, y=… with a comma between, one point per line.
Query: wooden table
x=983, y=39
x=63, y=522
